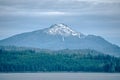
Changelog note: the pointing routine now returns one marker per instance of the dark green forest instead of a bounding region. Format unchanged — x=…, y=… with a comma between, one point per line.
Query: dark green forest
x=14, y=59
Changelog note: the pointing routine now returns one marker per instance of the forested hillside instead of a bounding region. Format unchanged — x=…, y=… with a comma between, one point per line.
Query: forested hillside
x=13, y=59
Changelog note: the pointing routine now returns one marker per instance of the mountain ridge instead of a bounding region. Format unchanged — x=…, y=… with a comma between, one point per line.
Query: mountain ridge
x=45, y=40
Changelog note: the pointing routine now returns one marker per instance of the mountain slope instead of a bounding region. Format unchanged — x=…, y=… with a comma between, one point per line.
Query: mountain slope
x=60, y=36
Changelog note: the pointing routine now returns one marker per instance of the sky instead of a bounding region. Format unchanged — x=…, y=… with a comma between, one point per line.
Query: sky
x=97, y=17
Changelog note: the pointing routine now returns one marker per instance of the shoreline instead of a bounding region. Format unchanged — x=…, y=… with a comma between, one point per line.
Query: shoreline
x=60, y=72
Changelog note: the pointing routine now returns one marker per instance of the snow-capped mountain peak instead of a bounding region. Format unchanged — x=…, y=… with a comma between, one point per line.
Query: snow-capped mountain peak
x=63, y=30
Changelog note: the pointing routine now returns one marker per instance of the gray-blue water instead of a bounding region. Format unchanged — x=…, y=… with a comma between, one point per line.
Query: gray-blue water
x=59, y=76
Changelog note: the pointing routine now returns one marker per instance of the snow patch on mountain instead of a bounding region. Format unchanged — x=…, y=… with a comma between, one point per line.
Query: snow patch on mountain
x=63, y=30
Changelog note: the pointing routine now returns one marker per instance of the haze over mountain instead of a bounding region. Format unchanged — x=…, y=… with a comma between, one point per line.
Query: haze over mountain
x=60, y=36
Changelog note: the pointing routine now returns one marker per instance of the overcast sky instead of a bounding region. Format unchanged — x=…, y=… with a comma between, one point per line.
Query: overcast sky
x=98, y=17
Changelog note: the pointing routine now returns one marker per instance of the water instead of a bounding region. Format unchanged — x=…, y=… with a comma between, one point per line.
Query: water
x=59, y=76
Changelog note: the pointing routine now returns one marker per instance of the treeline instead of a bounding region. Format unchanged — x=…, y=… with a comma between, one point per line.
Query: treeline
x=63, y=60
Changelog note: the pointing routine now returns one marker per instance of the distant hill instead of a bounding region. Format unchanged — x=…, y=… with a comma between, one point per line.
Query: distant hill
x=60, y=36
x=20, y=59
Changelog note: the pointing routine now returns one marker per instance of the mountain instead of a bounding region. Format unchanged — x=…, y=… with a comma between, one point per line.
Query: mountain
x=60, y=36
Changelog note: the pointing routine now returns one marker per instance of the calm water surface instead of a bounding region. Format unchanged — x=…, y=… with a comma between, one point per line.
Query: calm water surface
x=59, y=76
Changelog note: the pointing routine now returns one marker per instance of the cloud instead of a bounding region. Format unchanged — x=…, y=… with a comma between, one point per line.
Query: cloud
x=100, y=0
x=45, y=8
x=33, y=13
x=54, y=4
